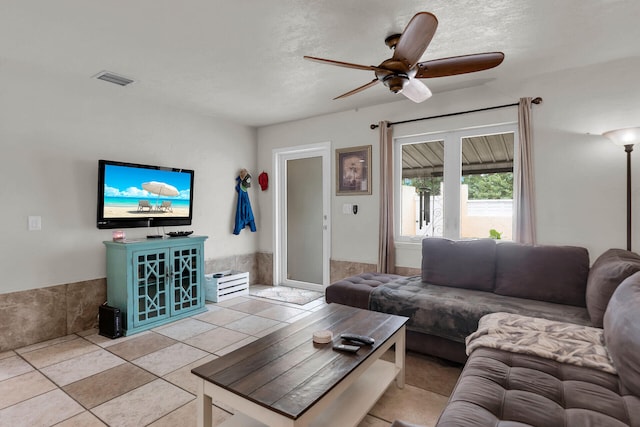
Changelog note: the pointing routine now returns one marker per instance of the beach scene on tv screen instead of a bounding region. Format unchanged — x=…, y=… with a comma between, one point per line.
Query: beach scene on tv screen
x=139, y=192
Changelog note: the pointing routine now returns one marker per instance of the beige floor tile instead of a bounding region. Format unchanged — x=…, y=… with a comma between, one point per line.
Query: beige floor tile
x=169, y=359
x=100, y=340
x=235, y=346
x=6, y=354
x=299, y=316
x=186, y=416
x=231, y=302
x=185, y=329
x=143, y=405
x=280, y=312
x=85, y=419
x=320, y=302
x=216, y=339
x=183, y=377
x=411, y=404
x=47, y=343
x=253, y=306
x=370, y=421
x=113, y=341
x=210, y=306
x=23, y=387
x=130, y=395
x=44, y=410
x=251, y=325
x=87, y=332
x=13, y=366
x=429, y=373
x=106, y=385
x=274, y=328
x=80, y=367
x=57, y=353
x=222, y=317
x=138, y=346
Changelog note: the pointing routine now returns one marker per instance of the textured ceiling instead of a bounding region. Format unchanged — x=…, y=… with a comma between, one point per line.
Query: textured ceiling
x=242, y=60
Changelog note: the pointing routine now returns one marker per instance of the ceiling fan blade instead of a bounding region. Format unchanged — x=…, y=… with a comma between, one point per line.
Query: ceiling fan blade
x=415, y=38
x=341, y=64
x=359, y=89
x=416, y=91
x=459, y=65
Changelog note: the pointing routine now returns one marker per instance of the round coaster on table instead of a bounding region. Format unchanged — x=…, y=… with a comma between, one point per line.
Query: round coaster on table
x=322, y=337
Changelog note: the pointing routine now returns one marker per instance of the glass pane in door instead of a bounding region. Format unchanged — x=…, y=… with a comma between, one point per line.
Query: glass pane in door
x=304, y=220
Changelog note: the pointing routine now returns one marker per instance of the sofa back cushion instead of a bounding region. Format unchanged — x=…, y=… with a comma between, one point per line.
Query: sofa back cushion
x=609, y=270
x=546, y=273
x=622, y=332
x=468, y=264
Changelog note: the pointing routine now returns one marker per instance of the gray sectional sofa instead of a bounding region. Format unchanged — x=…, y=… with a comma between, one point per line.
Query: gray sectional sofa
x=505, y=388
x=464, y=281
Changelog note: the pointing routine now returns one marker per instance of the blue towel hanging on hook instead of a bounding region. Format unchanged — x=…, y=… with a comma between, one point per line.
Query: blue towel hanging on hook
x=244, y=214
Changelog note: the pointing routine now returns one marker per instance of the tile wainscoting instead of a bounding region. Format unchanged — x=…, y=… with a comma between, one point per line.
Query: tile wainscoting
x=36, y=315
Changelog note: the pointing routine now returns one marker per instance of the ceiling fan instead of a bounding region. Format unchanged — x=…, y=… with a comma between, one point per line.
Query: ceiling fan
x=401, y=72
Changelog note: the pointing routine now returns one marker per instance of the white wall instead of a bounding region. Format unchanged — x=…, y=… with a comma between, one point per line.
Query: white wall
x=53, y=130
x=580, y=178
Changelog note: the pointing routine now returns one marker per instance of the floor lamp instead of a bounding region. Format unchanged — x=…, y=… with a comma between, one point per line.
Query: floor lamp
x=626, y=137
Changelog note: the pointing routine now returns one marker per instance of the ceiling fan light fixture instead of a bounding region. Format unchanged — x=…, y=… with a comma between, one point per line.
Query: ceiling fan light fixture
x=396, y=82
x=416, y=91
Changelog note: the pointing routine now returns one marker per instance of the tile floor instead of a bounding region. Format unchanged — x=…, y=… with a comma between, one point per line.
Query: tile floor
x=88, y=380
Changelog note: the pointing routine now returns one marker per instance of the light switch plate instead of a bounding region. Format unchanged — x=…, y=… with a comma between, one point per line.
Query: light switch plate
x=35, y=223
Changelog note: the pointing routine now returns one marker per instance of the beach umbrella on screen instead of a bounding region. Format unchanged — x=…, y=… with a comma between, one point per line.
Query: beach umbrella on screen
x=161, y=189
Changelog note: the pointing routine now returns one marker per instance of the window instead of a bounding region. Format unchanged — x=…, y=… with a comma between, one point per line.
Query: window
x=456, y=184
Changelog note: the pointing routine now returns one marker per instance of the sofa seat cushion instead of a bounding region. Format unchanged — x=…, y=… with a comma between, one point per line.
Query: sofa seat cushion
x=453, y=313
x=354, y=291
x=607, y=272
x=469, y=264
x=546, y=273
x=500, y=388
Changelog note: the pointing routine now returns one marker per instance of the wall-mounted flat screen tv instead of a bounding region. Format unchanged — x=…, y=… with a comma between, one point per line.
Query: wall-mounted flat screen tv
x=134, y=195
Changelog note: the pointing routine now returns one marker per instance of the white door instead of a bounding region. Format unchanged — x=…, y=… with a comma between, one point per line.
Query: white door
x=301, y=204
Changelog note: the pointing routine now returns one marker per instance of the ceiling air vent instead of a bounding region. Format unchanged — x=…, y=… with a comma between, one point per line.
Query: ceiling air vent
x=114, y=78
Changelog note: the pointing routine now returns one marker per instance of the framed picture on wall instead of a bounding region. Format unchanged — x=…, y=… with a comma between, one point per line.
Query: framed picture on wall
x=353, y=170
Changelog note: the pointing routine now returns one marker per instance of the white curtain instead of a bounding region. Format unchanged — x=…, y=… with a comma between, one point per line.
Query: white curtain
x=386, y=246
x=525, y=231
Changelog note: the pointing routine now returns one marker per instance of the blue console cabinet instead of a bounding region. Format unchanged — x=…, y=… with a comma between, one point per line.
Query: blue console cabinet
x=155, y=281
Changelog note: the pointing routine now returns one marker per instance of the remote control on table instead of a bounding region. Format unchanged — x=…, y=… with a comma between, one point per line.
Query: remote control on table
x=344, y=347
x=355, y=338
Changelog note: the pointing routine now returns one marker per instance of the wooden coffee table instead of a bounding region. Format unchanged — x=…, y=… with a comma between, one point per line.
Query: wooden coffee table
x=284, y=379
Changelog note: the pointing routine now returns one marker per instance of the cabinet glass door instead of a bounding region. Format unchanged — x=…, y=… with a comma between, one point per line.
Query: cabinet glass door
x=185, y=278
x=150, y=288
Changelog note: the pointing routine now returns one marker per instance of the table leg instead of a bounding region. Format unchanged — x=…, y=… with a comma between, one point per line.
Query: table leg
x=203, y=405
x=400, y=356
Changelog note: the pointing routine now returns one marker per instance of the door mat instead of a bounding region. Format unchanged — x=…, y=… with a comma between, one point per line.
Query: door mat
x=287, y=294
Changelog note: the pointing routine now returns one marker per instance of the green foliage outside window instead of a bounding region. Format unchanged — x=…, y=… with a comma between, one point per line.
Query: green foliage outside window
x=486, y=186
x=489, y=186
